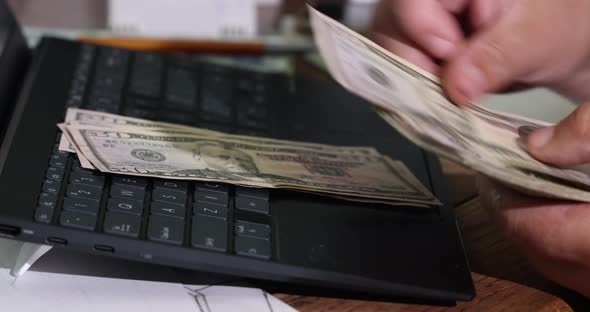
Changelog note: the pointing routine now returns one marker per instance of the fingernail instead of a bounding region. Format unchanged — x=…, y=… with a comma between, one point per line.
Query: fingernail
x=472, y=82
x=440, y=47
x=541, y=137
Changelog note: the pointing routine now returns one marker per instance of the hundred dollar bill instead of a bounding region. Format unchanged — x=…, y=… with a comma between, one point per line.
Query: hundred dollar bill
x=132, y=151
x=412, y=101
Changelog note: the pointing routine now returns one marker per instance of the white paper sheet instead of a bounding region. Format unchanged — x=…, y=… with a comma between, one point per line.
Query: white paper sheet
x=235, y=19
x=20, y=256
x=50, y=292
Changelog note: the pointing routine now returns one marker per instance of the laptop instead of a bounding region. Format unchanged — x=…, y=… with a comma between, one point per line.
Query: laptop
x=293, y=238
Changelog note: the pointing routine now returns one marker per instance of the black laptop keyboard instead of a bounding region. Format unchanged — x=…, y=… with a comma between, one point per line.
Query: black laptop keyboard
x=180, y=89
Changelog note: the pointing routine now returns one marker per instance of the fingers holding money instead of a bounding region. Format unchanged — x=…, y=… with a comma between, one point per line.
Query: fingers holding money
x=551, y=233
x=420, y=31
x=518, y=45
x=487, y=46
x=565, y=144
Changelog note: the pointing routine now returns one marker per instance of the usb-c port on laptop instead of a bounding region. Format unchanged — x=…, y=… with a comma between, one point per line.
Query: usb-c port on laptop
x=9, y=231
x=104, y=248
x=57, y=241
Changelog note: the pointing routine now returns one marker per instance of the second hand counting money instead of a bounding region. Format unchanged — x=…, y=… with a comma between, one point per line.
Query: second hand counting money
x=412, y=101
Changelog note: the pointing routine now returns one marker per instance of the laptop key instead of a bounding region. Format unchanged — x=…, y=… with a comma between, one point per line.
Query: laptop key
x=211, y=197
x=54, y=173
x=87, y=178
x=56, y=151
x=209, y=232
x=248, y=109
x=113, y=60
x=136, y=182
x=167, y=195
x=176, y=188
x=146, y=75
x=110, y=109
x=176, y=117
x=83, y=191
x=249, y=122
x=47, y=200
x=125, y=205
x=212, y=186
x=261, y=193
x=139, y=112
x=215, y=107
x=76, y=166
x=122, y=224
x=217, y=127
x=44, y=214
x=81, y=204
x=181, y=89
x=107, y=86
x=166, y=230
x=138, y=102
x=250, y=84
x=58, y=161
x=211, y=192
x=252, y=204
x=108, y=104
x=51, y=187
x=210, y=209
x=257, y=230
x=179, y=186
x=127, y=191
x=78, y=220
x=252, y=247
x=217, y=80
x=168, y=209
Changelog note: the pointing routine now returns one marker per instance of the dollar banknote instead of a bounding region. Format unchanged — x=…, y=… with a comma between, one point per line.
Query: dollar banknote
x=89, y=117
x=67, y=140
x=412, y=100
x=344, y=172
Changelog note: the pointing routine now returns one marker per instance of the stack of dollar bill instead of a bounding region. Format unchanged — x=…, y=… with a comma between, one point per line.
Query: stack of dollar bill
x=131, y=146
x=412, y=101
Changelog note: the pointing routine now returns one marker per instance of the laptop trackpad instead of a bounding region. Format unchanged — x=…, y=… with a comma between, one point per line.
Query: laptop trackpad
x=381, y=242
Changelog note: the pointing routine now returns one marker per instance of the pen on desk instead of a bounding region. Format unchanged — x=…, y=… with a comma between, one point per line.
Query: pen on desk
x=255, y=47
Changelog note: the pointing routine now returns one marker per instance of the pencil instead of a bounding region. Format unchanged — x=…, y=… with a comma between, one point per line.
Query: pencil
x=176, y=45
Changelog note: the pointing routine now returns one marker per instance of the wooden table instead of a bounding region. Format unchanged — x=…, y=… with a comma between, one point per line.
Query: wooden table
x=503, y=278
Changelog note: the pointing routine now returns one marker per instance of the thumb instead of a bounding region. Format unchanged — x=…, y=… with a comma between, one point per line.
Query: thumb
x=567, y=143
x=511, y=48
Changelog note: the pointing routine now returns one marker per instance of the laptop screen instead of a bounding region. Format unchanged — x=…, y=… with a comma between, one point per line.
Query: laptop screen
x=14, y=58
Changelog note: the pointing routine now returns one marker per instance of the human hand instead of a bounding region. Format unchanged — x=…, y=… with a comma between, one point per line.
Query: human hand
x=533, y=42
x=554, y=235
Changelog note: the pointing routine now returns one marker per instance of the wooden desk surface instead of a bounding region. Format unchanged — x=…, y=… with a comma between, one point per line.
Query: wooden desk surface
x=504, y=280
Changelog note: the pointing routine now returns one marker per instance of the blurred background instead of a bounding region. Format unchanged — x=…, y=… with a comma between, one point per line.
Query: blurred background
x=241, y=18
x=280, y=22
